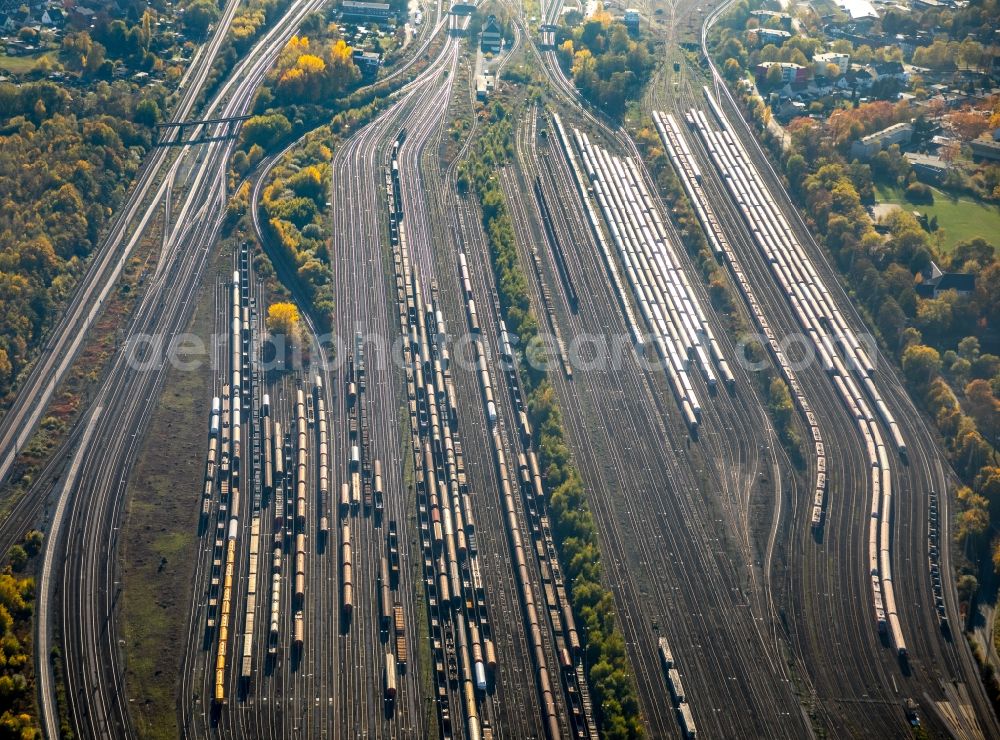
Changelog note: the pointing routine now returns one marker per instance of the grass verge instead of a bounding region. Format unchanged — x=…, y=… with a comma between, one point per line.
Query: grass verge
x=160, y=539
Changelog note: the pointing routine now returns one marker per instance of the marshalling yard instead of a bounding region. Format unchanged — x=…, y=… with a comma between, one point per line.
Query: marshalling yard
x=375, y=552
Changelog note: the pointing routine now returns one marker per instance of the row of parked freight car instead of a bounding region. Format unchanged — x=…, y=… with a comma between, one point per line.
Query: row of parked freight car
x=583, y=190
x=227, y=473
x=690, y=175
x=452, y=570
x=239, y=369
x=685, y=717
x=553, y=605
x=547, y=610
x=835, y=343
x=251, y=458
x=363, y=490
x=463, y=650
x=678, y=327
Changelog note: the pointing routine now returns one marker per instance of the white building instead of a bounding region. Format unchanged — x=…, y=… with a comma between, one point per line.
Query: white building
x=843, y=62
x=790, y=72
x=898, y=133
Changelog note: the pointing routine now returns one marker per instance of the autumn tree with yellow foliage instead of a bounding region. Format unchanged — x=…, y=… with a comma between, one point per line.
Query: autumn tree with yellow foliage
x=608, y=66
x=17, y=710
x=283, y=318
x=294, y=203
x=308, y=73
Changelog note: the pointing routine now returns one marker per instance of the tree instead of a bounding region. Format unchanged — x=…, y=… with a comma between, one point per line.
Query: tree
x=18, y=557
x=967, y=586
x=968, y=124
x=94, y=64
x=969, y=348
x=970, y=451
x=796, y=169
x=977, y=250
x=985, y=366
x=934, y=316
x=917, y=192
x=199, y=16
x=265, y=131
x=731, y=69
x=983, y=407
x=891, y=320
x=283, y=318
x=773, y=78
x=33, y=542
x=147, y=112
x=921, y=364
x=76, y=48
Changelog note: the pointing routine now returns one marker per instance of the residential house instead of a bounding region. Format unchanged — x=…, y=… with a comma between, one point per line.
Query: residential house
x=791, y=73
x=936, y=281
x=631, y=20
x=843, y=62
x=52, y=17
x=767, y=36
x=763, y=16
x=928, y=168
x=367, y=61
x=898, y=133
x=894, y=70
x=985, y=148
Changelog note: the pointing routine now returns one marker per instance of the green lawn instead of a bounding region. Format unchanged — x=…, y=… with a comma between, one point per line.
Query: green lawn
x=21, y=65
x=959, y=219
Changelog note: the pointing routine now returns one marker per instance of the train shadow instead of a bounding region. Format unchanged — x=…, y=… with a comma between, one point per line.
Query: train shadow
x=345, y=622
x=819, y=534
x=883, y=637
x=388, y=708
x=321, y=542
x=904, y=665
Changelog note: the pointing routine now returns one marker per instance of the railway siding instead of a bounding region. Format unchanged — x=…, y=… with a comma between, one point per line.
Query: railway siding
x=572, y=522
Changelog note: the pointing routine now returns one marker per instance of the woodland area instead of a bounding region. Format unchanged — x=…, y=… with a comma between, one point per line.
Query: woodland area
x=65, y=164
x=609, y=67
x=18, y=715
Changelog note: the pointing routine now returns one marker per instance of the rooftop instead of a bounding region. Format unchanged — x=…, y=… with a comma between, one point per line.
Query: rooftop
x=858, y=9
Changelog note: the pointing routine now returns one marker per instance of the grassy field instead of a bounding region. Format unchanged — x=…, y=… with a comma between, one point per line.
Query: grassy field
x=22, y=65
x=160, y=539
x=960, y=219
